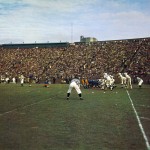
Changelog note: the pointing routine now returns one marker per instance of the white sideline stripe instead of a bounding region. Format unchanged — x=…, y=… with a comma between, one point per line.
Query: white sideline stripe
x=24, y=106
x=139, y=122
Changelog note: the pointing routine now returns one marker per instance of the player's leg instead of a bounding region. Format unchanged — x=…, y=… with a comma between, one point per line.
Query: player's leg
x=78, y=91
x=122, y=82
x=69, y=91
x=22, y=82
x=125, y=82
x=140, y=84
x=130, y=84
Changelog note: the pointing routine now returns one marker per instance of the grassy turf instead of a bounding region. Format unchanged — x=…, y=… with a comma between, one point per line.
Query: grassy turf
x=38, y=118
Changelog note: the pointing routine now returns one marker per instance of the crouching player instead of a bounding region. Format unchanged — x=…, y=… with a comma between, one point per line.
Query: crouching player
x=128, y=79
x=75, y=83
x=140, y=82
x=109, y=81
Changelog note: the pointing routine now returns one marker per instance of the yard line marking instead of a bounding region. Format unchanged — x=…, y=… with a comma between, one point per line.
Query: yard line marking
x=144, y=106
x=139, y=122
x=35, y=103
x=8, y=112
x=24, y=106
x=145, y=118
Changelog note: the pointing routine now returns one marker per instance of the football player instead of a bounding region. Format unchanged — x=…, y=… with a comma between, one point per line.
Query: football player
x=75, y=83
x=140, y=82
x=86, y=83
x=22, y=79
x=14, y=80
x=108, y=81
x=128, y=80
x=123, y=80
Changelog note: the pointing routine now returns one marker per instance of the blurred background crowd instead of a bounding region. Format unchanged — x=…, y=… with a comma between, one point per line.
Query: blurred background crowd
x=87, y=60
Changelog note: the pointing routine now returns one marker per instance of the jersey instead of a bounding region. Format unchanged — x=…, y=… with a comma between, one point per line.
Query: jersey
x=139, y=79
x=77, y=81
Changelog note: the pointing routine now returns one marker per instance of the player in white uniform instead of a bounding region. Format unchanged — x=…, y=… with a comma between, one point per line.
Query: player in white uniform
x=13, y=80
x=22, y=80
x=128, y=80
x=140, y=82
x=108, y=81
x=7, y=79
x=112, y=79
x=75, y=83
x=123, y=80
x=101, y=83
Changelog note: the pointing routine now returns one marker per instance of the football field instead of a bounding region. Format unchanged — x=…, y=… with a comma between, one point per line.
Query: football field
x=39, y=118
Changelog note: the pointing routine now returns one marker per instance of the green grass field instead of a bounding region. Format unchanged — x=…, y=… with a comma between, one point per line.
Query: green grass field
x=38, y=118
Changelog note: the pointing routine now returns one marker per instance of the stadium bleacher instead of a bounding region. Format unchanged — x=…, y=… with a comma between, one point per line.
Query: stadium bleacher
x=89, y=60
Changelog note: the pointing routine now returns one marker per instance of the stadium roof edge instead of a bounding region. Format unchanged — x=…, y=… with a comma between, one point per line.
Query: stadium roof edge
x=34, y=43
x=125, y=39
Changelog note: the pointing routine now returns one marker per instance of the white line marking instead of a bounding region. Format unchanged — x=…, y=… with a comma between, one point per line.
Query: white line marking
x=23, y=107
x=8, y=112
x=2, y=114
x=144, y=106
x=145, y=118
x=139, y=122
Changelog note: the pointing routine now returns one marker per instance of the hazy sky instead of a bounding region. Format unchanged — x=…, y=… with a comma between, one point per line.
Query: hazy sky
x=66, y=20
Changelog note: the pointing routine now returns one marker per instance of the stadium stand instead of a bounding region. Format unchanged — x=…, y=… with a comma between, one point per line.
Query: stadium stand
x=89, y=60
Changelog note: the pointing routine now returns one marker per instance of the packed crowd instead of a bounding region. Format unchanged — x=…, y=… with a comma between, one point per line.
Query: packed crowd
x=86, y=60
